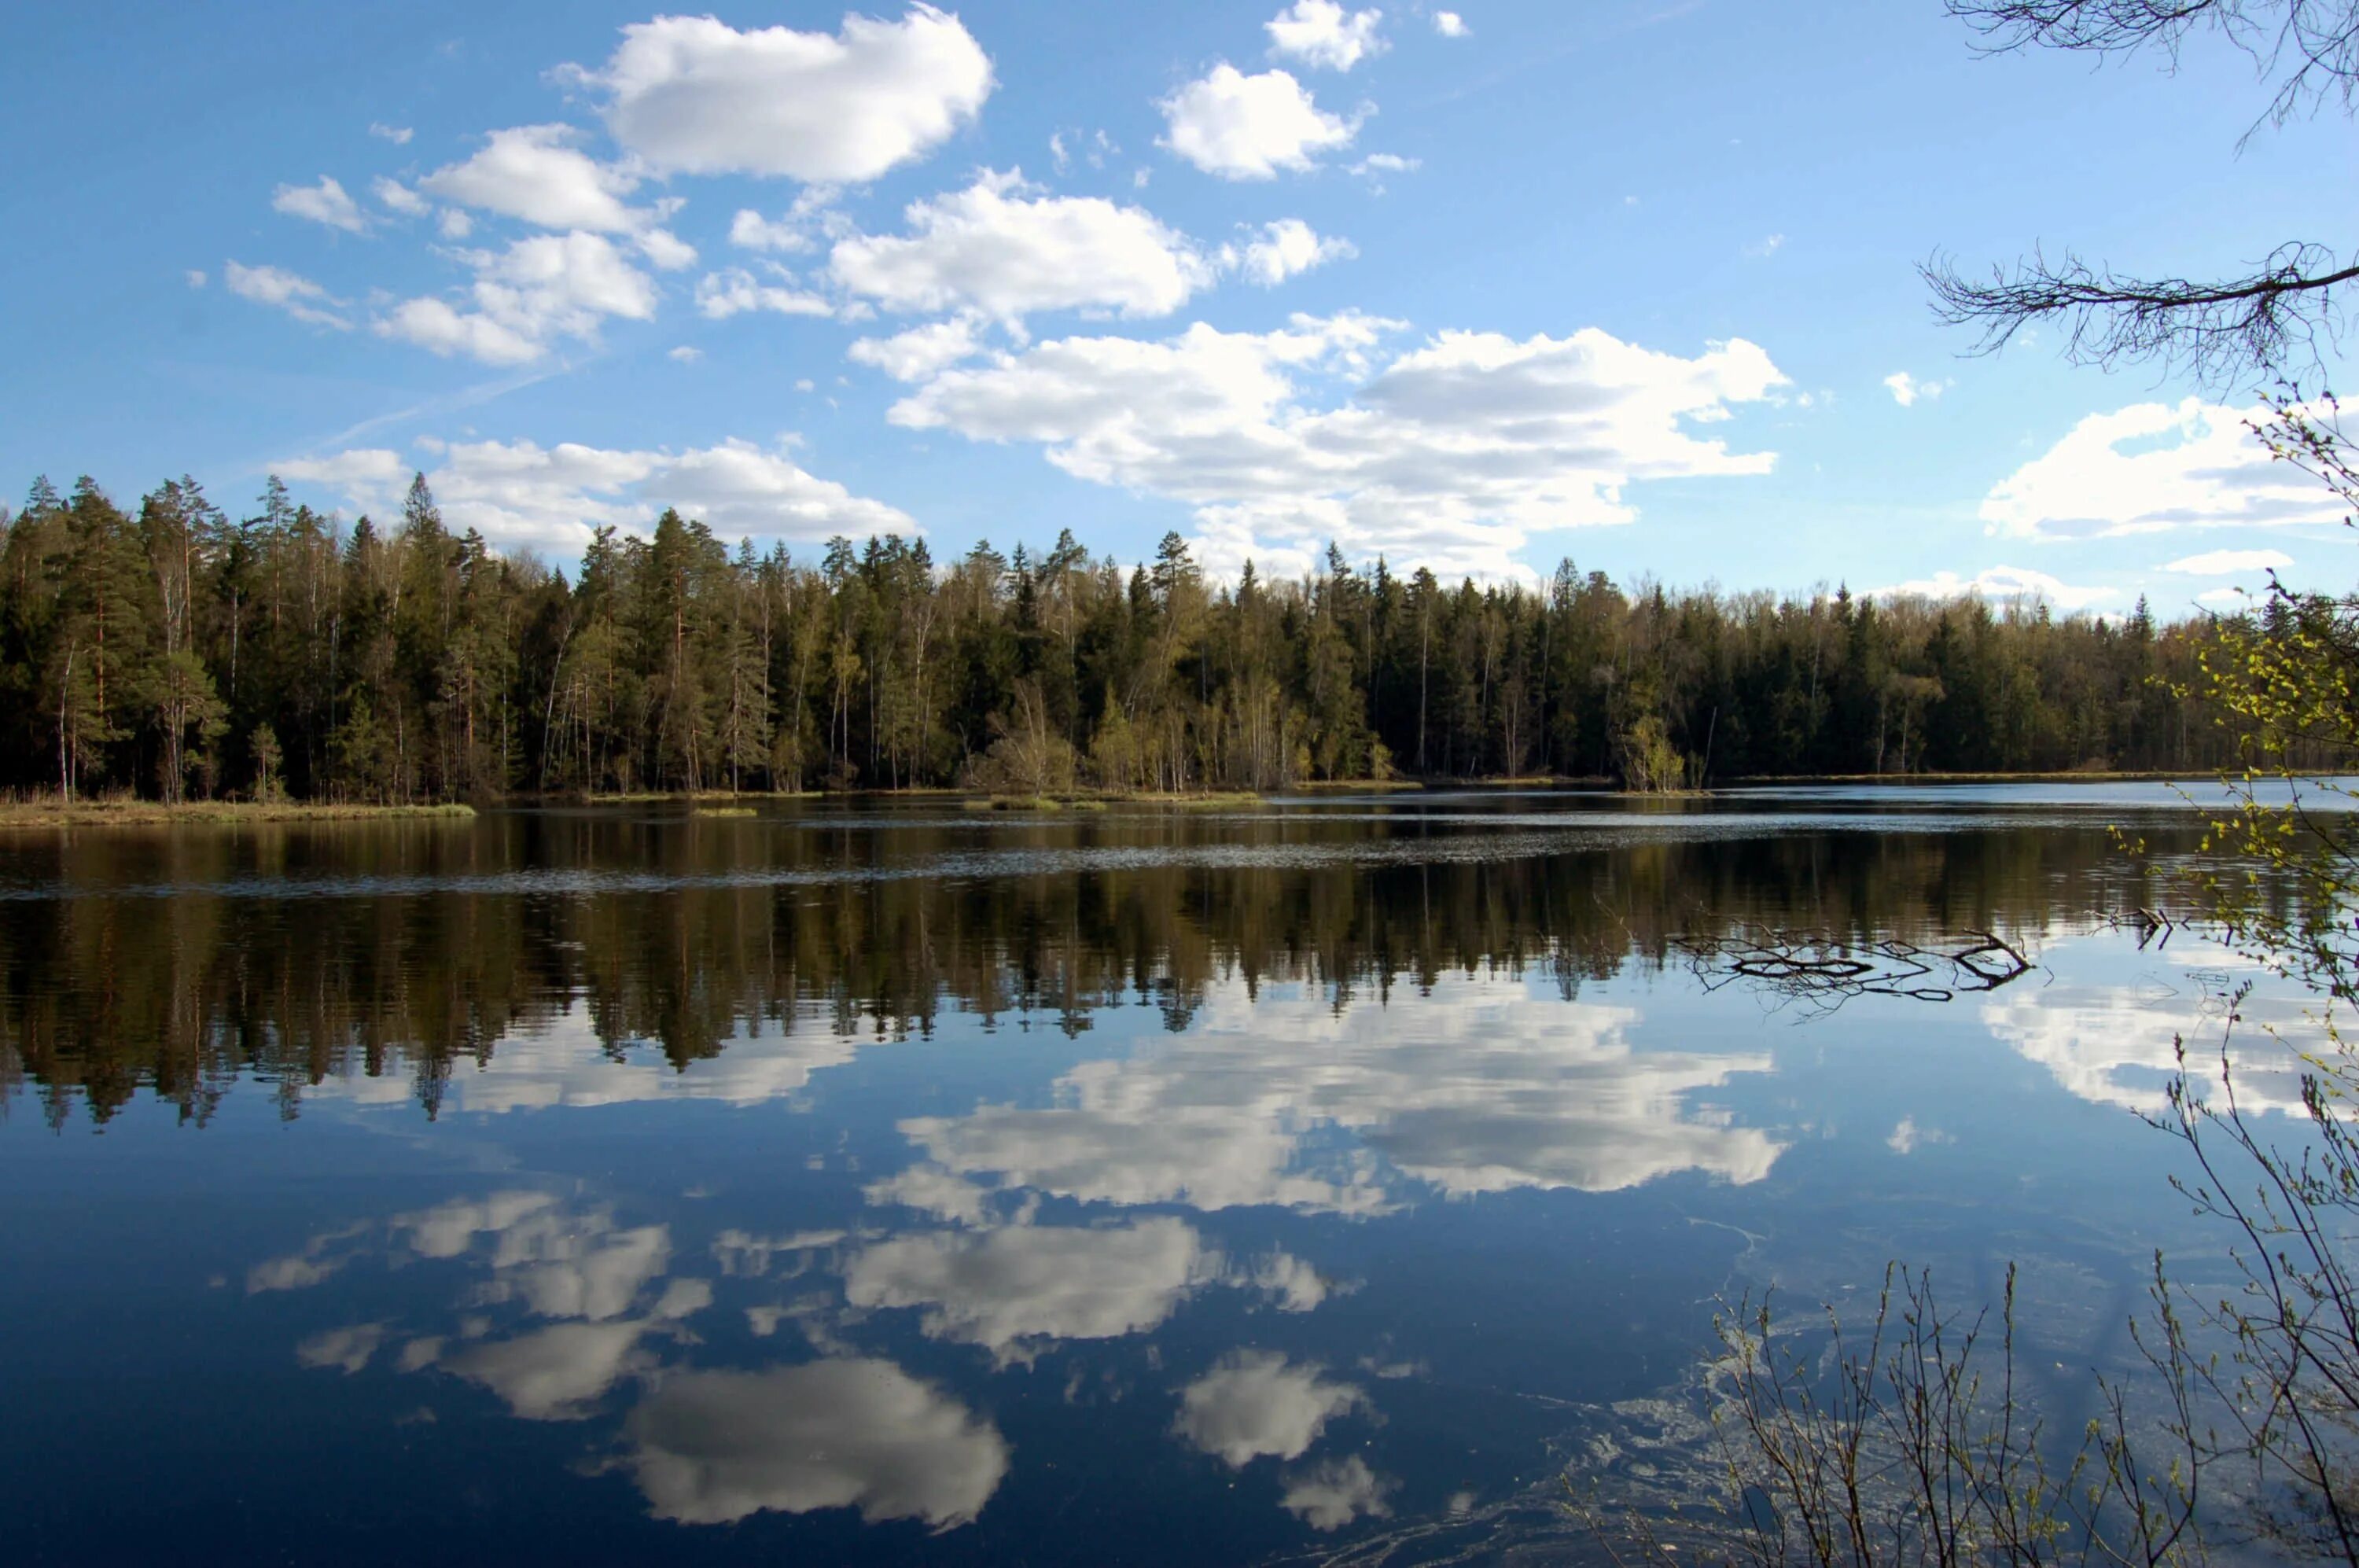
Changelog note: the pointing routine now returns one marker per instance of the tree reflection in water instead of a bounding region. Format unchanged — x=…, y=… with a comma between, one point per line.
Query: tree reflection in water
x=1360, y=1166
x=292, y=955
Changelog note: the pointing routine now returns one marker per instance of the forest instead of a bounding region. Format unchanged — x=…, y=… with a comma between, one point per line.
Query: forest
x=177, y=653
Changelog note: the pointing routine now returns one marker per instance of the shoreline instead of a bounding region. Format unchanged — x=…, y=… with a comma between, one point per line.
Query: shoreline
x=210, y=813
x=50, y=812
x=2089, y=776
x=1098, y=802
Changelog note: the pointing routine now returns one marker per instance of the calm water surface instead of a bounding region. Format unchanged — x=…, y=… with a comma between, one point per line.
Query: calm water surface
x=1314, y=1182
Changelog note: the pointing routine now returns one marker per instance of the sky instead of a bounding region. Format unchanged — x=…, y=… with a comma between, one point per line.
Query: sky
x=1631, y=282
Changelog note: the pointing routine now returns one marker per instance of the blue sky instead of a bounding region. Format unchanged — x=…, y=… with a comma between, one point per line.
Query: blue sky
x=1624, y=280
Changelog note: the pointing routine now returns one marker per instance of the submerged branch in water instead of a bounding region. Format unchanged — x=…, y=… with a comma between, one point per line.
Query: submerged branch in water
x=1822, y=973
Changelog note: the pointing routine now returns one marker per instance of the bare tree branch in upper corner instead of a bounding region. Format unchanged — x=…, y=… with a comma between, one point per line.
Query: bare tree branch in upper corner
x=2223, y=331
x=2307, y=51
x=2218, y=332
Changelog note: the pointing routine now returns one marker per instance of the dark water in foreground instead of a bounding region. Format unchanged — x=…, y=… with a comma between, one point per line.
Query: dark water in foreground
x=1314, y=1182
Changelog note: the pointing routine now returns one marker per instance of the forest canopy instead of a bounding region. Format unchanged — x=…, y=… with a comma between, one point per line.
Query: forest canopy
x=175, y=652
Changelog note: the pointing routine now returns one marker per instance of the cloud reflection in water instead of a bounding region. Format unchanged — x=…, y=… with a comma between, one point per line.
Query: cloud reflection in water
x=1478, y=1088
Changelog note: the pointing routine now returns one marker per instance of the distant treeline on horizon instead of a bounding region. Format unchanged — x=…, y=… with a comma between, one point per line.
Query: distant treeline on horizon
x=178, y=653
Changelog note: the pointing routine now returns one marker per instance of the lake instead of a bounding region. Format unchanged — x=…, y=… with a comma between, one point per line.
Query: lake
x=1321, y=1180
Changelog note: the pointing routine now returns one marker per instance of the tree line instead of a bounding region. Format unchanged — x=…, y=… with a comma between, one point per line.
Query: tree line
x=175, y=652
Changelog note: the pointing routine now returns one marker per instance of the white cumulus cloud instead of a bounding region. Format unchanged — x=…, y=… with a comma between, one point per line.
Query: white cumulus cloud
x=664, y=248
x=2000, y=583
x=733, y=291
x=1376, y=165
x=441, y=328
x=2152, y=468
x=919, y=353
x=1284, y=249
x=291, y=292
x=395, y=197
x=810, y=215
x=521, y=493
x=540, y=289
x=1450, y=24
x=1320, y=32
x=1001, y=247
x=2221, y=563
x=397, y=135
x=538, y=174
x=1250, y=127
x=325, y=202
x=1907, y=389
x=1452, y=453
x=692, y=94
x=751, y=231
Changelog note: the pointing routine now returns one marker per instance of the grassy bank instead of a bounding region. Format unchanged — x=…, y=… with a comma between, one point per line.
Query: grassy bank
x=51, y=812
